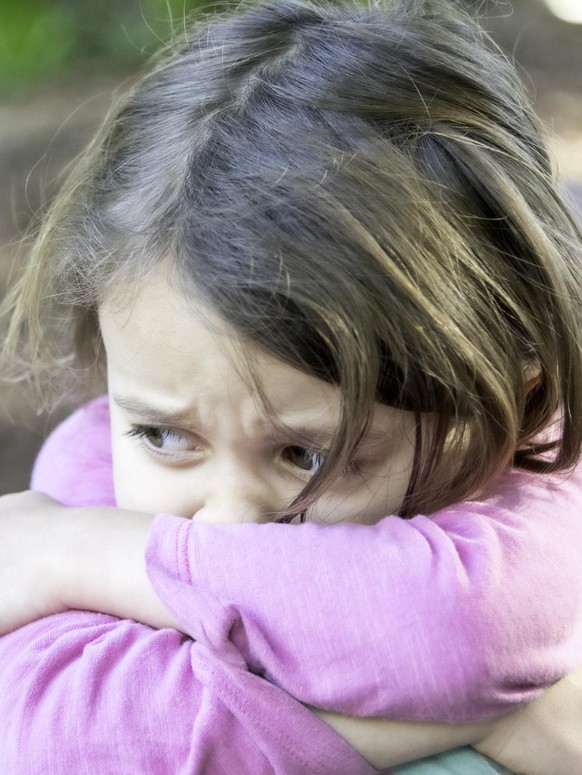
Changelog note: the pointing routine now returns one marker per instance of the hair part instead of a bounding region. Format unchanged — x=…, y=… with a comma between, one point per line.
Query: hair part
x=362, y=191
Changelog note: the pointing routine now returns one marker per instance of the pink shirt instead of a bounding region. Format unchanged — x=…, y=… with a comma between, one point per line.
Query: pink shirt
x=455, y=617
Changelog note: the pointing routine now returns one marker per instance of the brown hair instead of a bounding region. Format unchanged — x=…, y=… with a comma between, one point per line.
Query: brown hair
x=362, y=191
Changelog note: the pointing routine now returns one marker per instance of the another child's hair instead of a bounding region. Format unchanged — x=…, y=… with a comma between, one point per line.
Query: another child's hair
x=360, y=190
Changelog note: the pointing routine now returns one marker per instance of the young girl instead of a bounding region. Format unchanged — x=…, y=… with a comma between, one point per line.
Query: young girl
x=323, y=255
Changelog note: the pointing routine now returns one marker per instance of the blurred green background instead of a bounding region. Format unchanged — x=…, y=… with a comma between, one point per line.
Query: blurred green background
x=61, y=63
x=42, y=39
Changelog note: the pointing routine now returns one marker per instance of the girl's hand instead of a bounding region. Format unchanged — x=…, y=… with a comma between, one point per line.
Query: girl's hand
x=544, y=737
x=29, y=559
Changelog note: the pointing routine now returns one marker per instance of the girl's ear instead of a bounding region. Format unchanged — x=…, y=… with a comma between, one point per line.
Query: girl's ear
x=532, y=376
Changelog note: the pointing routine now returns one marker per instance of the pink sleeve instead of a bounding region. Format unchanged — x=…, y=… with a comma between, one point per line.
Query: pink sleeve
x=87, y=693
x=456, y=617
x=74, y=464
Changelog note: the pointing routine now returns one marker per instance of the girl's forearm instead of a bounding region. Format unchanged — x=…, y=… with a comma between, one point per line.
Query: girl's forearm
x=541, y=738
x=386, y=742
x=102, y=567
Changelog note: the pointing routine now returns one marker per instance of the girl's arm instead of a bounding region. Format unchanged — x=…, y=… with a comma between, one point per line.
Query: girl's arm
x=457, y=617
x=84, y=692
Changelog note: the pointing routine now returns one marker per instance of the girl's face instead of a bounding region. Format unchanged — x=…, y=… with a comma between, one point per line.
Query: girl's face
x=192, y=438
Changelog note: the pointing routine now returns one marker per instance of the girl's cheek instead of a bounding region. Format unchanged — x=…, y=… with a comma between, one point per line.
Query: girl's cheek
x=139, y=484
x=154, y=492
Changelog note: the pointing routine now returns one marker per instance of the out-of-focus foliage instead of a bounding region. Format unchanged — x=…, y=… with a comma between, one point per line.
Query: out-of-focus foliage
x=40, y=39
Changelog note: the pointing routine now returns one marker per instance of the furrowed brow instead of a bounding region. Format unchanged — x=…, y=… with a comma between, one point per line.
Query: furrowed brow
x=153, y=414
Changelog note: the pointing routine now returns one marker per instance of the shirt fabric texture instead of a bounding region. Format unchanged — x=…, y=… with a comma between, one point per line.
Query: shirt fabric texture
x=455, y=617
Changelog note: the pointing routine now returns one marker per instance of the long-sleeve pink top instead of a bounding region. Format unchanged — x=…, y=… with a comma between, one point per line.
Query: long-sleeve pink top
x=455, y=617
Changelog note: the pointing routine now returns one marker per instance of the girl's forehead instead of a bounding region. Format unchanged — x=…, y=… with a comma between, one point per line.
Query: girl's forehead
x=168, y=366
x=172, y=353
x=161, y=342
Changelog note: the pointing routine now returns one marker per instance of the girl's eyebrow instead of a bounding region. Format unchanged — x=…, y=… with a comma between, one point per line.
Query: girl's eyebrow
x=152, y=414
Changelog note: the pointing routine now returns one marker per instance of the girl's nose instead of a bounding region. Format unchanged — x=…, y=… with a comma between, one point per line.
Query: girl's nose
x=241, y=496
x=227, y=510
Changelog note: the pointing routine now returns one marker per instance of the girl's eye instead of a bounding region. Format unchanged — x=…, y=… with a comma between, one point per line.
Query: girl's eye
x=162, y=439
x=309, y=460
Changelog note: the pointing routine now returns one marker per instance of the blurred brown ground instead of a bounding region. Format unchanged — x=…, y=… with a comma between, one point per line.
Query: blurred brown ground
x=41, y=132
